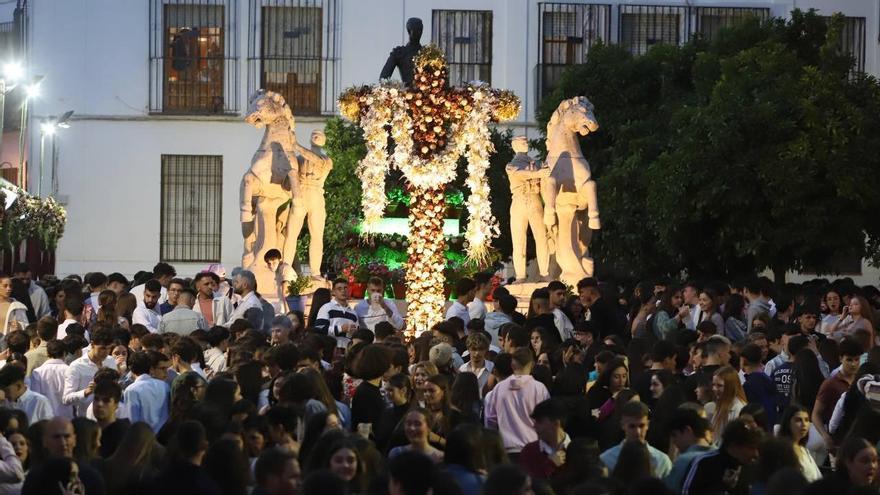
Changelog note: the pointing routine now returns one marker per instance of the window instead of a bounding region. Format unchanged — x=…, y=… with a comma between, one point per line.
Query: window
x=192, y=197
x=194, y=56
x=292, y=51
x=568, y=31
x=711, y=20
x=642, y=26
x=852, y=41
x=465, y=36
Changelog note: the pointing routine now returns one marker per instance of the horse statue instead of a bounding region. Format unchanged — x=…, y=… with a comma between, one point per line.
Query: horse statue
x=570, y=192
x=272, y=179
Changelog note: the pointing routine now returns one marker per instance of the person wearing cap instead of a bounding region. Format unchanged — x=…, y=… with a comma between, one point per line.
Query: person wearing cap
x=545, y=457
x=441, y=356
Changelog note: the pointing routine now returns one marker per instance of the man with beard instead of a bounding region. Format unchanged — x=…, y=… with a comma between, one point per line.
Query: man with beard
x=146, y=315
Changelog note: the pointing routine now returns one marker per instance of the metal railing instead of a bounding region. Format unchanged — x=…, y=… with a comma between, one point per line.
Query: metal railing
x=191, y=208
x=194, y=61
x=567, y=32
x=465, y=36
x=852, y=41
x=709, y=21
x=293, y=49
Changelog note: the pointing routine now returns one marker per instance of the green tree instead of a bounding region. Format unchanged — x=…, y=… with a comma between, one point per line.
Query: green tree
x=758, y=150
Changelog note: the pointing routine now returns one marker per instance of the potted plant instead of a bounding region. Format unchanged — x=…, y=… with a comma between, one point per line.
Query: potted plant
x=295, y=298
x=398, y=283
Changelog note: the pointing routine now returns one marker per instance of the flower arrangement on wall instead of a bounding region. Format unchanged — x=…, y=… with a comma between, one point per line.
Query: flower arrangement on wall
x=30, y=217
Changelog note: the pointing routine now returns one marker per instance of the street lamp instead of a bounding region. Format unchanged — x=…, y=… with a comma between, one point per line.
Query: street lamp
x=12, y=74
x=32, y=90
x=48, y=128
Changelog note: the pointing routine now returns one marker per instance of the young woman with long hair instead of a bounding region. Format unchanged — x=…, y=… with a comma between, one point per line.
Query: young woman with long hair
x=795, y=426
x=729, y=399
x=671, y=314
x=856, y=315
x=417, y=426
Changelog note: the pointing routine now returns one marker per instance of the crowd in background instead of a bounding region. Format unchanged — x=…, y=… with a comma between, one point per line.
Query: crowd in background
x=170, y=385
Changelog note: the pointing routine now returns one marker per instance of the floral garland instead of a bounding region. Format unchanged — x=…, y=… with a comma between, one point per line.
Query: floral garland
x=30, y=217
x=482, y=226
x=372, y=169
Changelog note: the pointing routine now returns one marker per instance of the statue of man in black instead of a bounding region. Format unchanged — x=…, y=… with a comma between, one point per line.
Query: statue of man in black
x=402, y=56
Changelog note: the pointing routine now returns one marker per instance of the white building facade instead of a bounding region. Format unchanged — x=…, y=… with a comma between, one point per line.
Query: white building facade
x=150, y=168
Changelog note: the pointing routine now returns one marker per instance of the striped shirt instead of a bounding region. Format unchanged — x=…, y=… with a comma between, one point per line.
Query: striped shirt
x=332, y=317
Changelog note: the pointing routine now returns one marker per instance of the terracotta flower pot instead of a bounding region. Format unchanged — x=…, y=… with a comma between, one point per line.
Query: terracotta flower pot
x=399, y=290
x=357, y=289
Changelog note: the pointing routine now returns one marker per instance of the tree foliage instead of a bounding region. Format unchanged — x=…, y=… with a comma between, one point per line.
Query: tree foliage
x=757, y=150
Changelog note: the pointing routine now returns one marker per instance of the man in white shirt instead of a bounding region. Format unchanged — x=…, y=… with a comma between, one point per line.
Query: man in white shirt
x=375, y=308
x=465, y=289
x=73, y=308
x=691, y=296
x=214, y=308
x=477, y=308
x=146, y=314
x=335, y=318
x=250, y=308
x=183, y=320
x=48, y=379
x=39, y=299
x=215, y=356
x=35, y=406
x=79, y=378
x=147, y=398
x=478, y=346
x=557, y=301
x=97, y=283
x=163, y=273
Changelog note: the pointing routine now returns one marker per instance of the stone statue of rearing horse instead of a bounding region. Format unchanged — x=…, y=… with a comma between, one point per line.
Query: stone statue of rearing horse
x=271, y=181
x=570, y=192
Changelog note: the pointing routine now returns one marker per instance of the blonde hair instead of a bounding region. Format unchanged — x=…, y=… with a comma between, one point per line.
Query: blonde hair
x=732, y=390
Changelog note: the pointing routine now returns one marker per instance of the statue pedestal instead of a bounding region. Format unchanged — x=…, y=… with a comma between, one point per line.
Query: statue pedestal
x=523, y=293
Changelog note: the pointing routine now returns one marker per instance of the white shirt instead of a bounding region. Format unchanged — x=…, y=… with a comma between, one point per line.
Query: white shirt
x=215, y=359
x=77, y=377
x=146, y=400
x=34, y=405
x=93, y=300
x=482, y=373
x=48, y=380
x=476, y=309
x=146, y=317
x=247, y=302
x=460, y=310
x=370, y=314
x=563, y=324
x=138, y=292
x=62, y=328
x=39, y=300
x=331, y=317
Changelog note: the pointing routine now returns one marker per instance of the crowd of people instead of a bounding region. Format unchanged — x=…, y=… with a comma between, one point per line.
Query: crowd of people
x=167, y=385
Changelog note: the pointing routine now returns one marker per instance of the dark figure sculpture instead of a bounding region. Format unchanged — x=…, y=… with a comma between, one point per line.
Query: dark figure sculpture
x=402, y=56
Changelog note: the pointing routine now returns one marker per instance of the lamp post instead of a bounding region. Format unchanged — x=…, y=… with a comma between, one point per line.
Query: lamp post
x=48, y=128
x=12, y=73
x=32, y=90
